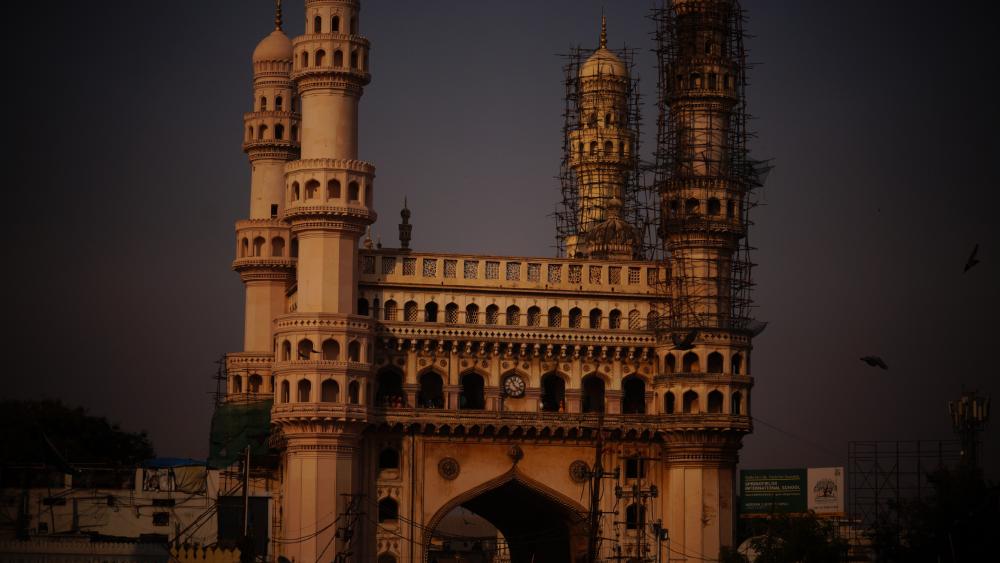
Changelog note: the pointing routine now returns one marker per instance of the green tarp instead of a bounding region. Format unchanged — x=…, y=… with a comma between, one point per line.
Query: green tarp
x=236, y=426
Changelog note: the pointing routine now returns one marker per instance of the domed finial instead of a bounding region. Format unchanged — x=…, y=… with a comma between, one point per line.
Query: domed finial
x=604, y=32
x=277, y=15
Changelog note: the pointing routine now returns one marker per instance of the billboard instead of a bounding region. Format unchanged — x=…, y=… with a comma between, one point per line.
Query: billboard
x=764, y=492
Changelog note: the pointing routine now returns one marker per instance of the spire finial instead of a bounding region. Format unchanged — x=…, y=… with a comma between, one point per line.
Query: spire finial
x=604, y=31
x=277, y=15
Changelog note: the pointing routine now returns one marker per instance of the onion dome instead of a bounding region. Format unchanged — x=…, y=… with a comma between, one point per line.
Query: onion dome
x=603, y=62
x=275, y=47
x=612, y=238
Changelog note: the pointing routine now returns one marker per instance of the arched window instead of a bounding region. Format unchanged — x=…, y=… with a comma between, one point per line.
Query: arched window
x=609, y=147
x=513, y=315
x=354, y=59
x=329, y=392
x=363, y=307
x=714, y=206
x=353, y=192
x=279, y=131
x=473, y=392
x=258, y=246
x=390, y=310
x=237, y=383
x=285, y=394
x=451, y=313
x=335, y=24
x=354, y=392
x=691, y=363
x=575, y=317
x=244, y=247
x=593, y=148
x=634, y=320
x=312, y=189
x=278, y=102
x=295, y=103
x=305, y=59
x=250, y=133
x=338, y=58
x=695, y=80
x=262, y=132
x=471, y=313
x=255, y=383
x=593, y=394
x=737, y=403
x=607, y=119
x=333, y=189
x=652, y=320
x=354, y=26
x=277, y=247
x=304, y=391
x=635, y=517
x=354, y=351
x=286, y=351
x=317, y=24
x=715, y=362
x=410, y=312
x=669, y=403
x=295, y=133
x=670, y=363
x=331, y=350
x=388, y=511
x=633, y=395
x=595, y=318
x=294, y=251
x=737, y=364
x=691, y=205
x=553, y=393
x=615, y=319
x=534, y=316
x=675, y=206
x=389, y=388
x=319, y=57
x=715, y=402
x=263, y=103
x=431, y=394
x=388, y=458
x=690, y=400
x=555, y=316
x=430, y=312
x=492, y=315
x=305, y=349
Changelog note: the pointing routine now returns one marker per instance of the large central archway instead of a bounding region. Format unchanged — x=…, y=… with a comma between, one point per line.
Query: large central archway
x=537, y=523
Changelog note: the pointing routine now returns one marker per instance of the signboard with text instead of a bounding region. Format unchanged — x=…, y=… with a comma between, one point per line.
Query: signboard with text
x=764, y=492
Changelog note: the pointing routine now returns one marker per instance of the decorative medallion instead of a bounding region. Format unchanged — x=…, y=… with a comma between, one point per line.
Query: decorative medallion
x=579, y=471
x=515, y=453
x=443, y=363
x=423, y=362
x=586, y=368
x=465, y=363
x=566, y=367
x=485, y=363
x=546, y=366
x=645, y=369
x=607, y=369
x=506, y=365
x=525, y=365
x=448, y=468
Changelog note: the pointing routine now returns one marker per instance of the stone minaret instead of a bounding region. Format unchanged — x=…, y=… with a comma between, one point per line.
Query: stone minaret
x=264, y=253
x=704, y=184
x=601, y=152
x=323, y=346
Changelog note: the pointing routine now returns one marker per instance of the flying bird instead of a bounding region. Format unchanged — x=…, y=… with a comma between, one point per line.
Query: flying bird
x=875, y=362
x=972, y=261
x=685, y=343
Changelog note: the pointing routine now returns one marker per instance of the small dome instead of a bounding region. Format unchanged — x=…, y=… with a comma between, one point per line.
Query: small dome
x=603, y=63
x=274, y=47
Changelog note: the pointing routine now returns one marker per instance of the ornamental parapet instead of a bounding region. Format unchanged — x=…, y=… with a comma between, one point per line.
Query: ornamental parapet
x=545, y=342
x=350, y=165
x=304, y=322
x=261, y=263
x=331, y=367
x=287, y=146
x=348, y=216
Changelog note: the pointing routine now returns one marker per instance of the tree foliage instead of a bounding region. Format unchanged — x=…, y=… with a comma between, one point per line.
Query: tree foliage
x=51, y=432
x=792, y=539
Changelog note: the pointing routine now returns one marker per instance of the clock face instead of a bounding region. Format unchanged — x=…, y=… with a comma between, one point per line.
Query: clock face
x=514, y=386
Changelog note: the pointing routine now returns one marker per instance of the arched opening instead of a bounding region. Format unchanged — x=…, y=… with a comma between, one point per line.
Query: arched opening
x=388, y=458
x=714, y=206
x=338, y=58
x=652, y=320
x=431, y=312
x=471, y=313
x=691, y=363
x=595, y=318
x=410, y=311
x=295, y=133
x=388, y=511
x=335, y=24
x=635, y=517
x=575, y=316
x=690, y=402
x=555, y=317
x=258, y=246
x=354, y=392
x=354, y=351
x=244, y=247
x=669, y=403
x=305, y=349
x=285, y=392
x=295, y=191
x=333, y=189
x=715, y=362
x=312, y=189
x=389, y=389
x=277, y=247
x=670, y=364
x=633, y=395
x=513, y=315
x=553, y=393
x=386, y=558
x=473, y=392
x=634, y=320
x=451, y=313
x=513, y=509
x=363, y=307
x=255, y=383
x=615, y=319
x=593, y=148
x=609, y=148
x=278, y=103
x=492, y=315
x=431, y=394
x=353, y=192
x=331, y=350
x=737, y=364
x=329, y=391
x=317, y=24
x=593, y=394
x=236, y=383
x=319, y=58
x=354, y=59
x=294, y=251
x=736, y=406
x=715, y=402
x=389, y=310
x=263, y=103
x=534, y=316
x=279, y=131
x=286, y=351
x=304, y=391
x=691, y=205
x=304, y=59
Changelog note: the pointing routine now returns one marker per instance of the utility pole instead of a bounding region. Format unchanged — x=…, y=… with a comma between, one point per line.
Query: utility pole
x=352, y=514
x=596, y=474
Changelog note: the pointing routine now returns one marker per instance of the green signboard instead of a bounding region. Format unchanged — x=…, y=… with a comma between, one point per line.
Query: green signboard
x=772, y=491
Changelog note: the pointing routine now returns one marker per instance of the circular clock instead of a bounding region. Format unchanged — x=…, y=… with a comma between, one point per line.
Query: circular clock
x=513, y=385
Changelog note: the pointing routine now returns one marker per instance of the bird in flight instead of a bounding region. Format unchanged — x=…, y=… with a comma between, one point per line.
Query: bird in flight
x=685, y=343
x=875, y=362
x=972, y=261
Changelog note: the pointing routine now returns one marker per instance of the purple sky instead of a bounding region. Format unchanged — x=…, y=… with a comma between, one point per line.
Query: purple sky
x=879, y=115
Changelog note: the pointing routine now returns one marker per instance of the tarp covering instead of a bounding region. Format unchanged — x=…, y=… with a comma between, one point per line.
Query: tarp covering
x=236, y=426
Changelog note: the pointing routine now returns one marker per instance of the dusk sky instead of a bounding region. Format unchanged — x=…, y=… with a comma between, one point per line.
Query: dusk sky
x=881, y=118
